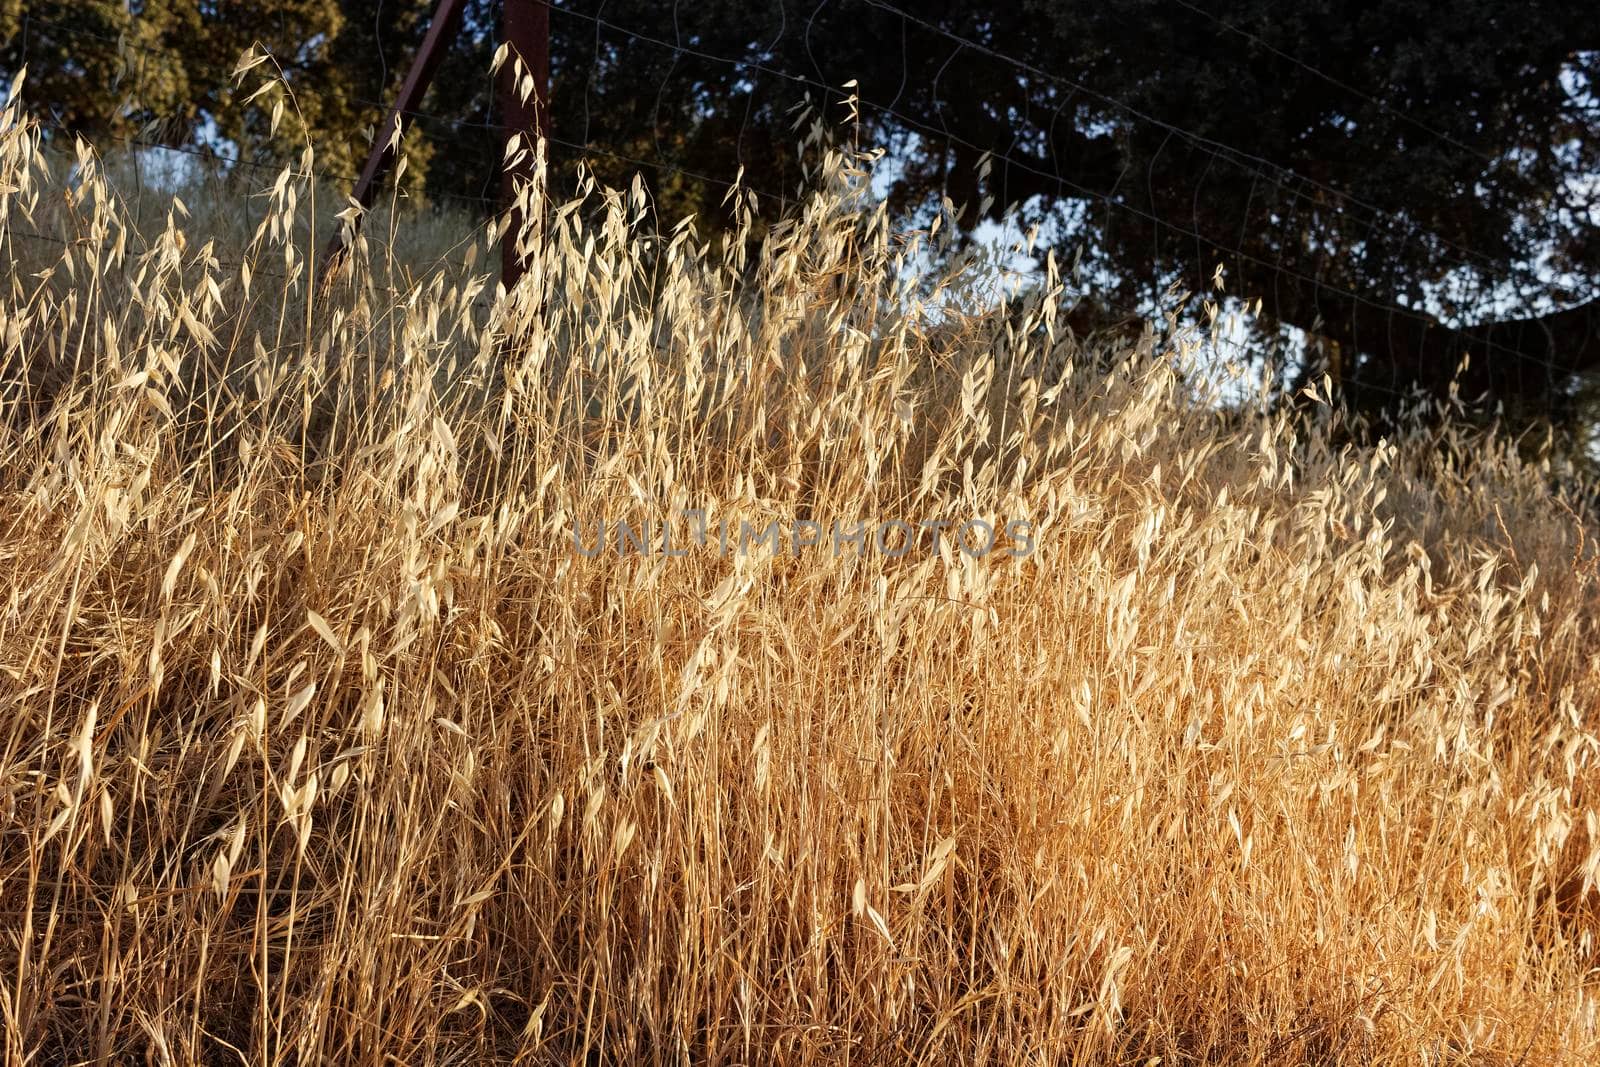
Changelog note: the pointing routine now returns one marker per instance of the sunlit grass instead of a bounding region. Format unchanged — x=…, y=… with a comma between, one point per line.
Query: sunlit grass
x=321, y=743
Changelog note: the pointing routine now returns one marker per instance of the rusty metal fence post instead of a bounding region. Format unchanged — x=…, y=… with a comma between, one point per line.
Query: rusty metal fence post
x=524, y=98
x=523, y=95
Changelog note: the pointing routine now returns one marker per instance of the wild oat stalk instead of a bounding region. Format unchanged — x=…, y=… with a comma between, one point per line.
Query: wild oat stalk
x=322, y=743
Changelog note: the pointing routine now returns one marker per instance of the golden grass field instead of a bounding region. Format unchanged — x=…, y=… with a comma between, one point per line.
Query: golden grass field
x=321, y=743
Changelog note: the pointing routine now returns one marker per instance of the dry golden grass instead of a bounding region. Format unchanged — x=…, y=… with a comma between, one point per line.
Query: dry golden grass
x=322, y=744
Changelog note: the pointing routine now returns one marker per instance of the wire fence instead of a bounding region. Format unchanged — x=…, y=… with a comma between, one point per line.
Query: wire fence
x=1291, y=198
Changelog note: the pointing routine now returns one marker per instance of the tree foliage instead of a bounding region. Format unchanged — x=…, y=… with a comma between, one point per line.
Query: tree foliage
x=1407, y=183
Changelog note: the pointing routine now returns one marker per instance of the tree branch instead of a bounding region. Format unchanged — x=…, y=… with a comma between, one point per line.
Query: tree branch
x=1520, y=358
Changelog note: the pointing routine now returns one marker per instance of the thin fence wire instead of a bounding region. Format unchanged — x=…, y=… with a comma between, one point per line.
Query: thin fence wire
x=1270, y=183
x=1261, y=170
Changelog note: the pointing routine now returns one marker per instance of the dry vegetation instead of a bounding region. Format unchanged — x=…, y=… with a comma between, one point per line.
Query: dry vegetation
x=321, y=744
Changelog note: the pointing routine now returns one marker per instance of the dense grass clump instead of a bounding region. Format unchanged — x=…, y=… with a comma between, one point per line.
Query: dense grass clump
x=324, y=742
